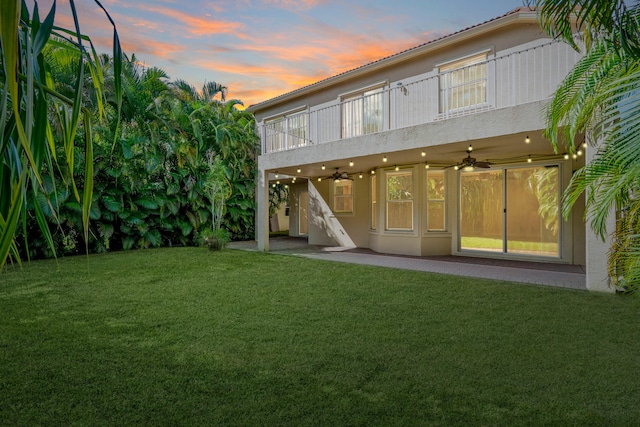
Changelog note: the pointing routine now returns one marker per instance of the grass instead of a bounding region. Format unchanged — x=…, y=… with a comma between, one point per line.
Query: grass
x=191, y=337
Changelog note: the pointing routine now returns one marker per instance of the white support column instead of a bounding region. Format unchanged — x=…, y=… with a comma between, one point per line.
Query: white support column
x=262, y=211
x=597, y=250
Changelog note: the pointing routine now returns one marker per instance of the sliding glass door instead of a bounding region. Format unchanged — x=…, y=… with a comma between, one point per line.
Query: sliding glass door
x=513, y=210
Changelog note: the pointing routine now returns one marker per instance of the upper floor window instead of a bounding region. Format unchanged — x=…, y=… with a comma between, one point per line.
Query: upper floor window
x=400, y=200
x=286, y=131
x=363, y=113
x=463, y=83
x=435, y=200
x=343, y=196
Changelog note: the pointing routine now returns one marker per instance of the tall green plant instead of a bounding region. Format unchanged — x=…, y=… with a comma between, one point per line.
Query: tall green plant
x=28, y=151
x=601, y=97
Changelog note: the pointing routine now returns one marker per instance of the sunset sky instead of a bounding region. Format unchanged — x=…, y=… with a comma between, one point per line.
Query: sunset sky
x=263, y=48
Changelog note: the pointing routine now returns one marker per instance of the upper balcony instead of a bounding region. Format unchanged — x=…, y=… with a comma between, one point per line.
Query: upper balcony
x=466, y=86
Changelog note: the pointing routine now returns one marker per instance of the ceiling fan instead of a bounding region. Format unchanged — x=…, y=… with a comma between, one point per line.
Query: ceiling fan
x=338, y=176
x=469, y=163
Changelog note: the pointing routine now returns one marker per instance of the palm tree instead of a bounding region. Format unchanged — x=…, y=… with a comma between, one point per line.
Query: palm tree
x=601, y=98
x=29, y=98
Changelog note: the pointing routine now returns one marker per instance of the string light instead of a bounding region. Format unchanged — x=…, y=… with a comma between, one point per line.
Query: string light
x=566, y=156
x=299, y=170
x=423, y=154
x=351, y=163
x=384, y=159
x=529, y=159
x=397, y=168
x=323, y=168
x=527, y=140
x=426, y=165
x=360, y=175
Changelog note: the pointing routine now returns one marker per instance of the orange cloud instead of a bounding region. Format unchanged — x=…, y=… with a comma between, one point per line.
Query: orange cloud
x=196, y=26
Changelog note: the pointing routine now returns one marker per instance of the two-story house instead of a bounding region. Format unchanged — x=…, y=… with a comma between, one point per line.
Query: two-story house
x=436, y=150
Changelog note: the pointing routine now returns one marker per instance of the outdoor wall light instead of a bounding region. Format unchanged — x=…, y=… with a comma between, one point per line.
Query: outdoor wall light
x=527, y=140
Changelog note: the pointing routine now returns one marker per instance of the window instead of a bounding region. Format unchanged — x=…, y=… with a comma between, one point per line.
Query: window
x=435, y=200
x=374, y=203
x=463, y=83
x=400, y=200
x=286, y=132
x=362, y=113
x=343, y=196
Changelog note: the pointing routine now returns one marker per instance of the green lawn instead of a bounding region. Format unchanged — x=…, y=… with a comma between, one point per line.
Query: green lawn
x=192, y=337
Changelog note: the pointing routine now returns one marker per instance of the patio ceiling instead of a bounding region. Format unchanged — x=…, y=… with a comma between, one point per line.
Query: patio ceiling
x=510, y=149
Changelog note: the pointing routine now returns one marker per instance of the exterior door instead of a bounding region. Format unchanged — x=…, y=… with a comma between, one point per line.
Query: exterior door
x=513, y=210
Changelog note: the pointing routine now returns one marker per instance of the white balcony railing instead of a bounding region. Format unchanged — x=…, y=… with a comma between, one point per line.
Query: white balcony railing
x=514, y=79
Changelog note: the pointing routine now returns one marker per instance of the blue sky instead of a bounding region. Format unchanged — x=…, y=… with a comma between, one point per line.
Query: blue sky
x=262, y=48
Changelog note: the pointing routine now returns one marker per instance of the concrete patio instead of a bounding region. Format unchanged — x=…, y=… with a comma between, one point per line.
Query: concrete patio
x=547, y=274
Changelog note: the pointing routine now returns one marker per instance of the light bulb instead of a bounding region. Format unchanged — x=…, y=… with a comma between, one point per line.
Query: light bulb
x=527, y=140
x=351, y=163
x=323, y=168
x=423, y=154
x=384, y=159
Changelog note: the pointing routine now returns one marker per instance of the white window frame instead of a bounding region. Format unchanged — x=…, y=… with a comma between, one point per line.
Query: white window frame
x=334, y=196
x=283, y=133
x=443, y=200
x=460, y=69
x=401, y=172
x=353, y=110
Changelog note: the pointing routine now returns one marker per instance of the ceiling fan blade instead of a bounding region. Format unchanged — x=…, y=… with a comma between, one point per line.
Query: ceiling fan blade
x=484, y=165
